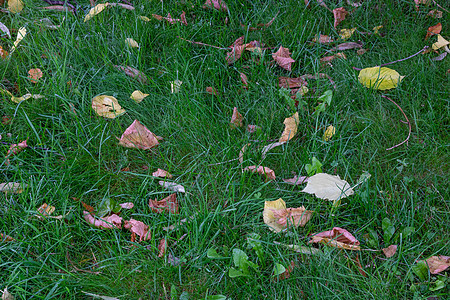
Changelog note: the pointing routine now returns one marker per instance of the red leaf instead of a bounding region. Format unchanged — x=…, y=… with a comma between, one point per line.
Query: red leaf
x=339, y=15
x=169, y=204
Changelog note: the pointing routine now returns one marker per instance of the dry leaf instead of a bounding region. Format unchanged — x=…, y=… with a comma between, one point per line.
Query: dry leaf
x=15, y=6
x=436, y=29
x=241, y=153
x=347, y=33
x=161, y=173
x=131, y=43
x=260, y=25
x=171, y=20
x=216, y=4
x=168, y=204
x=138, y=96
x=45, y=210
x=172, y=186
x=162, y=248
x=12, y=187
x=252, y=128
x=296, y=180
x=34, y=75
x=59, y=8
x=7, y=295
x=107, y=106
x=138, y=228
x=440, y=56
x=138, y=136
x=20, y=35
x=5, y=29
x=332, y=57
x=361, y=51
x=339, y=15
x=278, y=217
x=379, y=78
x=244, y=80
x=112, y=221
x=175, y=86
x=322, y=39
x=346, y=46
x=144, y=18
x=235, y=53
x=270, y=147
x=441, y=42
x=376, y=29
x=212, y=91
x=100, y=296
x=291, y=83
x=16, y=148
x=283, y=58
x=95, y=11
x=390, y=251
x=3, y=53
x=438, y=264
x=290, y=128
x=326, y=186
x=437, y=14
x=6, y=238
x=265, y=171
x=133, y=73
x=329, y=133
x=337, y=237
x=236, y=119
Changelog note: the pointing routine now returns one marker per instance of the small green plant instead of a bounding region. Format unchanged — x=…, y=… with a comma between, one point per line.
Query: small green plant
x=313, y=168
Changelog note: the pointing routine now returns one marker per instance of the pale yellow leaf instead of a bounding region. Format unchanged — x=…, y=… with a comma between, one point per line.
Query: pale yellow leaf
x=107, y=106
x=329, y=133
x=175, y=86
x=441, y=42
x=131, y=43
x=326, y=186
x=7, y=295
x=278, y=217
x=144, y=18
x=379, y=78
x=95, y=11
x=12, y=187
x=20, y=35
x=138, y=96
x=290, y=129
x=377, y=28
x=15, y=6
x=346, y=33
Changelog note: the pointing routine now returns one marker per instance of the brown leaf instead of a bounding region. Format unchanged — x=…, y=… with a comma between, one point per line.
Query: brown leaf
x=112, y=221
x=34, y=75
x=346, y=46
x=296, y=180
x=437, y=14
x=236, y=119
x=138, y=136
x=171, y=20
x=337, y=237
x=216, y=4
x=361, y=51
x=86, y=206
x=16, y=148
x=235, y=54
x=438, y=264
x=212, y=91
x=162, y=248
x=293, y=216
x=265, y=171
x=58, y=8
x=161, y=173
x=332, y=57
x=244, y=80
x=139, y=228
x=172, y=186
x=436, y=29
x=133, y=73
x=6, y=238
x=322, y=39
x=3, y=53
x=339, y=15
x=390, y=251
x=291, y=83
x=283, y=58
x=252, y=128
x=290, y=128
x=45, y=210
x=168, y=204
x=260, y=25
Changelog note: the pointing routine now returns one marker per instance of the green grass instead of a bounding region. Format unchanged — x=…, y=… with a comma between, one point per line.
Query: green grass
x=56, y=258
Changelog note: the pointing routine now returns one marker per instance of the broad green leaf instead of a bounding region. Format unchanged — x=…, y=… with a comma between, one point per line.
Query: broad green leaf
x=379, y=78
x=216, y=297
x=106, y=206
x=232, y=272
x=313, y=168
x=212, y=253
x=437, y=285
x=278, y=269
x=407, y=231
x=388, y=229
x=324, y=100
x=240, y=259
x=421, y=270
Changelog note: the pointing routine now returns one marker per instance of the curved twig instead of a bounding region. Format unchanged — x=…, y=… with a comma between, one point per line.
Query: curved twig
x=407, y=120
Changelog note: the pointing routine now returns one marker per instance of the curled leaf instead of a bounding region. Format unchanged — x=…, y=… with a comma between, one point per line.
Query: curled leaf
x=162, y=248
x=329, y=133
x=290, y=128
x=339, y=15
x=379, y=78
x=278, y=217
x=346, y=46
x=20, y=35
x=5, y=29
x=161, y=173
x=95, y=11
x=236, y=119
x=138, y=96
x=133, y=73
x=45, y=210
x=175, y=86
x=283, y=58
x=330, y=187
x=168, y=204
x=337, y=237
x=138, y=228
x=172, y=186
x=441, y=42
x=265, y=171
x=138, y=136
x=131, y=43
x=109, y=222
x=107, y=106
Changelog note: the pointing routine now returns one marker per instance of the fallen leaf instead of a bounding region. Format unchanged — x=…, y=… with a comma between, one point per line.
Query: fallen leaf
x=15, y=6
x=265, y=171
x=59, y=8
x=437, y=14
x=138, y=96
x=346, y=33
x=45, y=210
x=270, y=147
x=436, y=29
x=162, y=248
x=144, y=18
x=138, y=136
x=332, y=57
x=16, y=148
x=171, y=20
x=361, y=51
x=20, y=35
x=109, y=222
x=441, y=42
x=216, y=4
x=175, y=86
x=168, y=204
x=107, y=106
x=329, y=187
x=390, y=251
x=379, y=78
x=301, y=249
x=339, y=15
x=6, y=238
x=252, y=128
x=236, y=51
x=12, y=187
x=322, y=39
x=438, y=264
x=291, y=83
x=138, y=228
x=161, y=173
x=212, y=91
x=3, y=53
x=329, y=133
x=5, y=29
x=287, y=273
x=236, y=119
x=7, y=295
x=337, y=237
x=127, y=205
x=376, y=29
x=34, y=75
x=260, y=25
x=95, y=11
x=131, y=43
x=172, y=186
x=290, y=128
x=244, y=80
x=278, y=217
x=133, y=73
x=241, y=153
x=283, y=58
x=346, y=46
x=296, y=180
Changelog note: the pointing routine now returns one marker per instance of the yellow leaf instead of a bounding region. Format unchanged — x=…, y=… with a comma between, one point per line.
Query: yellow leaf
x=20, y=99
x=379, y=78
x=377, y=28
x=138, y=96
x=20, y=35
x=95, y=11
x=290, y=128
x=15, y=6
x=175, y=86
x=268, y=216
x=278, y=217
x=346, y=33
x=131, y=43
x=107, y=106
x=144, y=18
x=441, y=42
x=329, y=133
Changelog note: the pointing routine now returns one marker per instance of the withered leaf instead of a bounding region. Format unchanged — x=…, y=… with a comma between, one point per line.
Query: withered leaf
x=216, y=4
x=290, y=128
x=265, y=171
x=339, y=15
x=346, y=46
x=236, y=119
x=283, y=58
x=322, y=39
x=390, y=251
x=133, y=73
x=138, y=228
x=6, y=238
x=138, y=136
x=278, y=217
x=162, y=248
x=211, y=90
x=436, y=29
x=291, y=83
x=35, y=75
x=244, y=80
x=161, y=173
x=438, y=263
x=337, y=237
x=296, y=180
x=168, y=204
x=112, y=221
x=172, y=186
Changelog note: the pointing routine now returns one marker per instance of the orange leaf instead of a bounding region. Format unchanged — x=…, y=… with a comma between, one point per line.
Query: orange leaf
x=436, y=29
x=34, y=75
x=267, y=172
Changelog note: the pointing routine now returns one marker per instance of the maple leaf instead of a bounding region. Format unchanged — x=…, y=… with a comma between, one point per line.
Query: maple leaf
x=216, y=4
x=161, y=173
x=339, y=15
x=168, y=204
x=379, y=78
x=34, y=75
x=283, y=58
x=278, y=217
x=265, y=171
x=138, y=136
x=432, y=30
x=337, y=237
x=290, y=128
x=107, y=106
x=138, y=228
x=326, y=186
x=236, y=119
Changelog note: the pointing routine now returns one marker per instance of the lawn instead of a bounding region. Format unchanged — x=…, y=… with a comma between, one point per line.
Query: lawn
x=217, y=243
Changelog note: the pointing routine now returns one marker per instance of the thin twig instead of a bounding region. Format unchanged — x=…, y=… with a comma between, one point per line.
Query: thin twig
x=440, y=6
x=407, y=120
x=202, y=44
x=399, y=60
x=223, y=162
